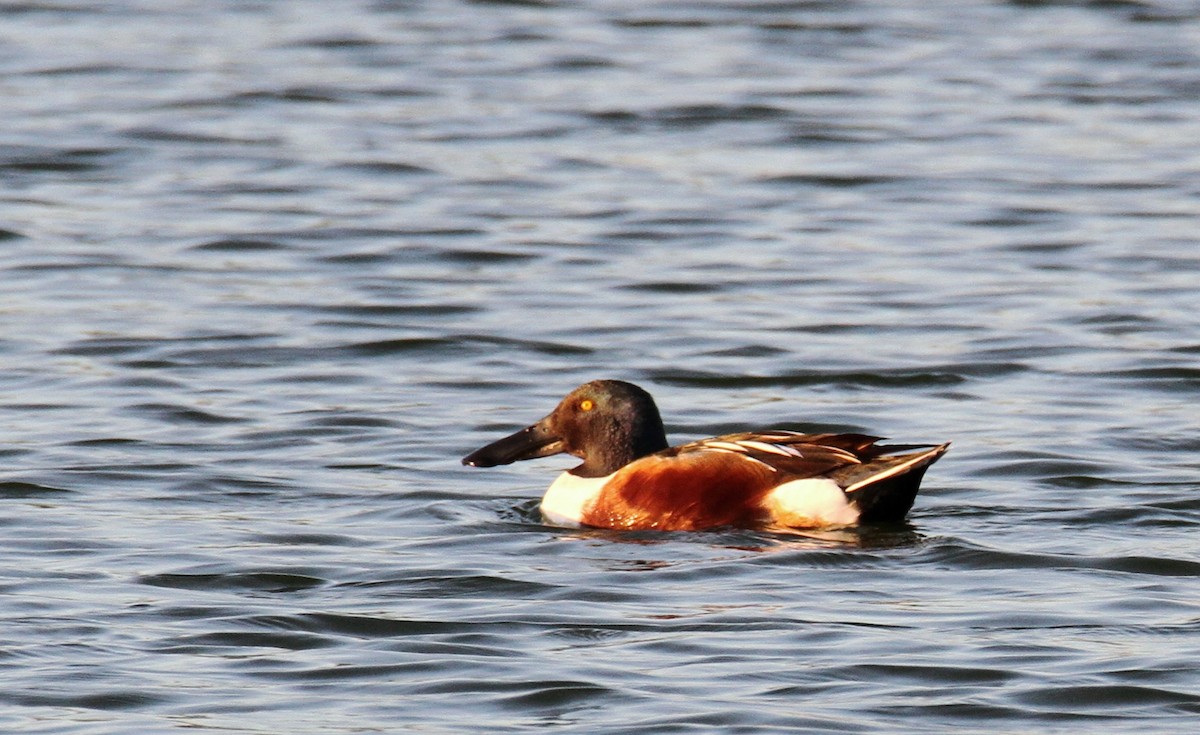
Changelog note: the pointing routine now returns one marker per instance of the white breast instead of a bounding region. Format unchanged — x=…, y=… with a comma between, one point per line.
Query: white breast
x=569, y=497
x=815, y=502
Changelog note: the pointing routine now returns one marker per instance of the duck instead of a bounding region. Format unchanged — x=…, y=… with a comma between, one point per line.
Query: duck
x=631, y=479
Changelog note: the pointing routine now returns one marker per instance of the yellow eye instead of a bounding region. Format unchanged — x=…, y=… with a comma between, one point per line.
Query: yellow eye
x=586, y=405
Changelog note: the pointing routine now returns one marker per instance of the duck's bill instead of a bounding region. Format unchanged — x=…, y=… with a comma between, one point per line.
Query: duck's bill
x=528, y=443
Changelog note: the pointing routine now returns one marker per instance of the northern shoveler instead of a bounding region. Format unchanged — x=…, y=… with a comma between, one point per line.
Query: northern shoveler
x=631, y=479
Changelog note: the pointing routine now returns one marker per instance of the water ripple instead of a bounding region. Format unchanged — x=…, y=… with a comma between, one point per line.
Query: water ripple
x=270, y=271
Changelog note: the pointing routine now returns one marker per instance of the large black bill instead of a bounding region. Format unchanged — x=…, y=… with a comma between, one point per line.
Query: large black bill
x=528, y=443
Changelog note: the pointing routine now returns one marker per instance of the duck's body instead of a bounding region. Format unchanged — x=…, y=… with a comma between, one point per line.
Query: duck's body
x=630, y=479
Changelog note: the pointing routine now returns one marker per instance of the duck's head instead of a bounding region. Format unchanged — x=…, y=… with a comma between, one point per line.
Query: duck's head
x=606, y=423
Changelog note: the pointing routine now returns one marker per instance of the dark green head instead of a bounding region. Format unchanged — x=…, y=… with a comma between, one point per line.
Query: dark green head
x=606, y=423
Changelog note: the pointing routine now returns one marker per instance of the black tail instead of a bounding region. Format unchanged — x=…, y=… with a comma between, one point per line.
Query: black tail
x=885, y=487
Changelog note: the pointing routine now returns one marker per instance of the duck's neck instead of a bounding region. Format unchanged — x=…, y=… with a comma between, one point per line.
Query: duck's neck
x=622, y=444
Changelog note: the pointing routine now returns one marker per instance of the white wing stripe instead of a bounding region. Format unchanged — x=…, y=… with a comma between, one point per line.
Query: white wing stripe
x=772, y=448
x=746, y=446
x=726, y=446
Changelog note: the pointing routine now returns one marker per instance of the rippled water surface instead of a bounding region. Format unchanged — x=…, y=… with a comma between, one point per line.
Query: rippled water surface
x=271, y=268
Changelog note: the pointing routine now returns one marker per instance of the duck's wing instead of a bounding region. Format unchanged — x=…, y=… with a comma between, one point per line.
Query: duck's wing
x=726, y=480
x=790, y=453
x=880, y=480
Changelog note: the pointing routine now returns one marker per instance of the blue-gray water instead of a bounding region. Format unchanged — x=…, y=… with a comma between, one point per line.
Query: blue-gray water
x=269, y=269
